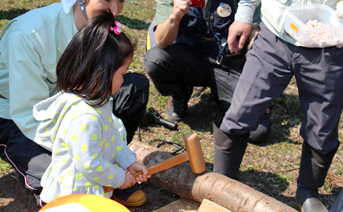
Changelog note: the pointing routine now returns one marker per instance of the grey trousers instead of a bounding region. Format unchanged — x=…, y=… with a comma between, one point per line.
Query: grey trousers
x=271, y=63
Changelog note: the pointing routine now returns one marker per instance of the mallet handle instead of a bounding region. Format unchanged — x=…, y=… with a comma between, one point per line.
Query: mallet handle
x=161, y=166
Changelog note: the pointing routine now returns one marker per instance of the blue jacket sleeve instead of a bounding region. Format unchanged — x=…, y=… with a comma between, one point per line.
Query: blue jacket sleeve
x=27, y=82
x=245, y=11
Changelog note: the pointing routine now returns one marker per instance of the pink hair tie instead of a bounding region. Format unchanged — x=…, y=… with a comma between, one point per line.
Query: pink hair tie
x=117, y=28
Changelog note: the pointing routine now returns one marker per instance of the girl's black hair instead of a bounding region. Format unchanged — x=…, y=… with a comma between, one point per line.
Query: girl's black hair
x=94, y=54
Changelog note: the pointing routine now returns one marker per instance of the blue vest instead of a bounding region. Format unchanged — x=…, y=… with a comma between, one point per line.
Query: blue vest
x=206, y=34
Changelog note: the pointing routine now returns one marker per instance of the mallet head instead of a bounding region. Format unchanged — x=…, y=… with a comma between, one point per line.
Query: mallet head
x=193, y=148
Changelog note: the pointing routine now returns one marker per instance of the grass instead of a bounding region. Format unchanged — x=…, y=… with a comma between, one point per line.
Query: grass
x=270, y=167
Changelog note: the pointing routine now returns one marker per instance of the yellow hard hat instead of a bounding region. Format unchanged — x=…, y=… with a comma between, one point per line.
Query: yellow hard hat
x=83, y=203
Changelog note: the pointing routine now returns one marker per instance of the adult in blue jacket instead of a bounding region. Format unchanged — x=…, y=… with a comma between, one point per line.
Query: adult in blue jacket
x=30, y=47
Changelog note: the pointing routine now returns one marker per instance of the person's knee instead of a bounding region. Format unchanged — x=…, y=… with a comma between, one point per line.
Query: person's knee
x=139, y=81
x=140, y=87
x=143, y=82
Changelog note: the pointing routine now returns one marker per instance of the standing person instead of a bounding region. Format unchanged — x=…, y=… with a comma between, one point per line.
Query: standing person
x=192, y=51
x=88, y=140
x=275, y=57
x=30, y=47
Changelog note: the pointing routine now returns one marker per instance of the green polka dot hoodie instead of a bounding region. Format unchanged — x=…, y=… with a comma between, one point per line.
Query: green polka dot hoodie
x=89, y=147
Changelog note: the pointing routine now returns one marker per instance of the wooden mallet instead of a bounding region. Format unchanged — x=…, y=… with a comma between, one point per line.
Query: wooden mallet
x=193, y=154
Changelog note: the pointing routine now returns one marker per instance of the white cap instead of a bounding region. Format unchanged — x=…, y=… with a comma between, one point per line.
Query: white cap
x=67, y=4
x=339, y=12
x=339, y=5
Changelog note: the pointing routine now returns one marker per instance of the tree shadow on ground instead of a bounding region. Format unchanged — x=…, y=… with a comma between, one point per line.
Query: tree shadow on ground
x=12, y=13
x=284, y=114
x=133, y=23
x=277, y=187
x=202, y=114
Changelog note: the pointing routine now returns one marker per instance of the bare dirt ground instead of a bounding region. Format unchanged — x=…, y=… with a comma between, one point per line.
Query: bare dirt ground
x=14, y=197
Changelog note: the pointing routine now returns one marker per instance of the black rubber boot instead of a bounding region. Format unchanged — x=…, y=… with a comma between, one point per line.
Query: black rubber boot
x=177, y=104
x=261, y=134
x=228, y=152
x=313, y=169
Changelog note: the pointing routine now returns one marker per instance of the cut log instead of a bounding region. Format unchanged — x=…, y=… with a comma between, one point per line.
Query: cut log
x=218, y=188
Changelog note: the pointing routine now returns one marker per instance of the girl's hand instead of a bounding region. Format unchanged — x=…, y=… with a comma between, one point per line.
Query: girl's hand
x=135, y=167
x=129, y=181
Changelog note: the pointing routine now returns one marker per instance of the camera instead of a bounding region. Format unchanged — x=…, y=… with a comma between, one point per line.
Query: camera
x=198, y=3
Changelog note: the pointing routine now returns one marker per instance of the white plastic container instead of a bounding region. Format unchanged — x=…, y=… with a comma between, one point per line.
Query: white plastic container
x=298, y=16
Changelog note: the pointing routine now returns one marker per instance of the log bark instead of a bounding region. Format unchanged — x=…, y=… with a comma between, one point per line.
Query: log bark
x=218, y=188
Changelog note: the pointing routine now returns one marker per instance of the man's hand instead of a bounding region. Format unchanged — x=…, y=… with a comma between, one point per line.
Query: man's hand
x=181, y=7
x=166, y=33
x=238, y=29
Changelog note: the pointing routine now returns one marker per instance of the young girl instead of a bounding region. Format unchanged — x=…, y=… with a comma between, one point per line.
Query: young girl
x=89, y=142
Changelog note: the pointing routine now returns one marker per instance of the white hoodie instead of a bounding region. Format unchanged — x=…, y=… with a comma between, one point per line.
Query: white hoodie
x=89, y=146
